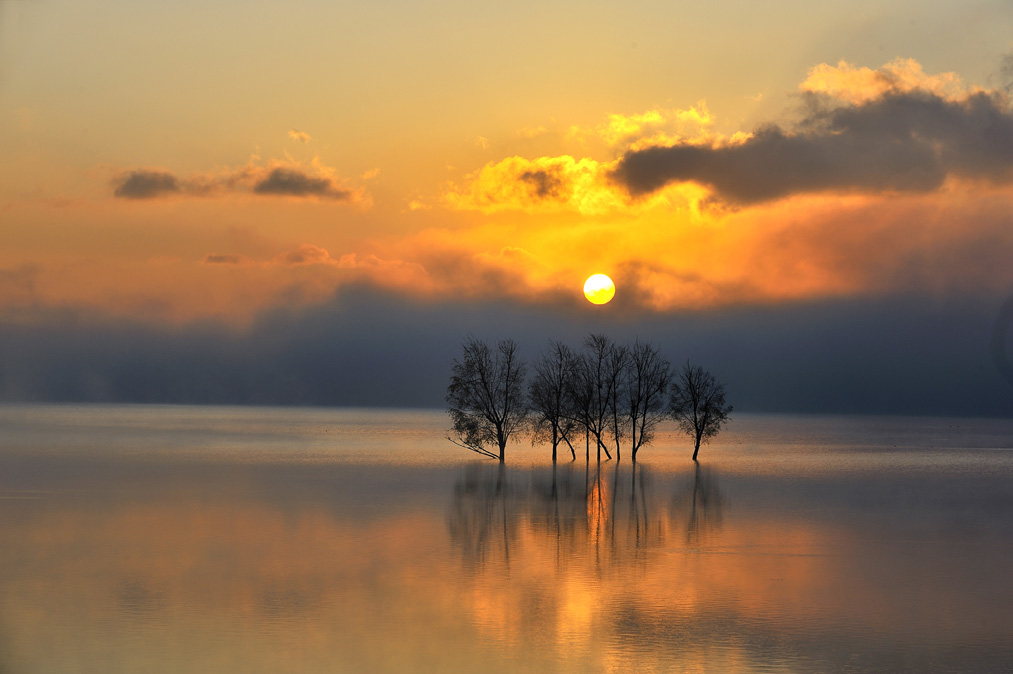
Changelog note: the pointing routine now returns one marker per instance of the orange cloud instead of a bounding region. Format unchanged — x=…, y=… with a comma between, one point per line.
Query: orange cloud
x=305, y=254
x=898, y=182
x=801, y=248
x=553, y=185
x=532, y=131
x=897, y=137
x=857, y=85
x=658, y=126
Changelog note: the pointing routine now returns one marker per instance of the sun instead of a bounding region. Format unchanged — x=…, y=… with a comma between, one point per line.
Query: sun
x=599, y=289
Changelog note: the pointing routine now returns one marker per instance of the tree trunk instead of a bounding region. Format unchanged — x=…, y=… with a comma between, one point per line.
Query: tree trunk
x=573, y=452
x=615, y=430
x=696, y=450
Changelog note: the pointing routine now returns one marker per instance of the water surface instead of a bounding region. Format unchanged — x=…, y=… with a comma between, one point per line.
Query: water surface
x=215, y=539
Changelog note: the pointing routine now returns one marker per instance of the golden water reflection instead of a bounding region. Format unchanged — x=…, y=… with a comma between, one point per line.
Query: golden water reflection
x=636, y=567
x=486, y=568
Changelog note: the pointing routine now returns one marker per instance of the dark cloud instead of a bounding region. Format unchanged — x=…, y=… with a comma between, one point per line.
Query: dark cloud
x=367, y=347
x=901, y=142
x=305, y=254
x=144, y=184
x=291, y=182
x=18, y=285
x=225, y=258
x=545, y=184
x=1006, y=73
x=21, y=278
x=280, y=181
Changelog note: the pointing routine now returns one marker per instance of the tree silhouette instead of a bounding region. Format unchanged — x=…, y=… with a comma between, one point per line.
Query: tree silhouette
x=580, y=393
x=553, y=419
x=617, y=365
x=612, y=392
x=698, y=404
x=646, y=380
x=485, y=396
x=601, y=380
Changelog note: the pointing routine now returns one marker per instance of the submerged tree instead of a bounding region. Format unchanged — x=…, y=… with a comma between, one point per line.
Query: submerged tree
x=485, y=396
x=600, y=382
x=553, y=420
x=644, y=387
x=698, y=404
x=617, y=366
x=580, y=398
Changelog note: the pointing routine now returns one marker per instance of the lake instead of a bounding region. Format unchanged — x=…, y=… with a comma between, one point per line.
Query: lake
x=229, y=539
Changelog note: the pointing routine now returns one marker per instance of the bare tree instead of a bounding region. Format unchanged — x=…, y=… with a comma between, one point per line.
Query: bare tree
x=580, y=395
x=646, y=381
x=617, y=366
x=553, y=420
x=485, y=396
x=596, y=367
x=698, y=404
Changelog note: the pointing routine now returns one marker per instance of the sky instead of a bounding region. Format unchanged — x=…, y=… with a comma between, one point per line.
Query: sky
x=315, y=202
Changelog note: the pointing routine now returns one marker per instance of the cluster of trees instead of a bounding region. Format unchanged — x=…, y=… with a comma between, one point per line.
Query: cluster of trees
x=606, y=395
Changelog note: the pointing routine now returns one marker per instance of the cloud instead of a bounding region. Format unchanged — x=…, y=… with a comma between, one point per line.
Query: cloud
x=293, y=182
x=838, y=357
x=300, y=136
x=531, y=131
x=18, y=286
x=225, y=258
x=555, y=185
x=906, y=139
x=1006, y=73
x=305, y=254
x=889, y=129
x=856, y=85
x=658, y=126
x=277, y=179
x=564, y=183
x=541, y=184
x=146, y=184
x=545, y=184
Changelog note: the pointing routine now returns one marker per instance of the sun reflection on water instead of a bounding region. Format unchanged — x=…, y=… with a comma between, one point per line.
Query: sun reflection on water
x=169, y=566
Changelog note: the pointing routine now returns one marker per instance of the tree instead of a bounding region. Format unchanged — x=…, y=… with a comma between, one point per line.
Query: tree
x=646, y=381
x=580, y=398
x=600, y=380
x=553, y=420
x=616, y=367
x=698, y=404
x=485, y=396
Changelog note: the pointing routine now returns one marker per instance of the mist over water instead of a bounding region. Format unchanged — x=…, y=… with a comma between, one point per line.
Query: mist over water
x=212, y=539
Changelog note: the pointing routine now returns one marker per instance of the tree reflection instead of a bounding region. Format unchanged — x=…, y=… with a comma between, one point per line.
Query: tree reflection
x=481, y=518
x=605, y=514
x=698, y=506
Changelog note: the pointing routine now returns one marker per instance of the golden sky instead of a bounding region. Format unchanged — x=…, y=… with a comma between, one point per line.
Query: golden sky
x=214, y=160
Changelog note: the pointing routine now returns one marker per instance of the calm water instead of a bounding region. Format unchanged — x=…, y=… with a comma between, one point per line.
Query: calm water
x=178, y=539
